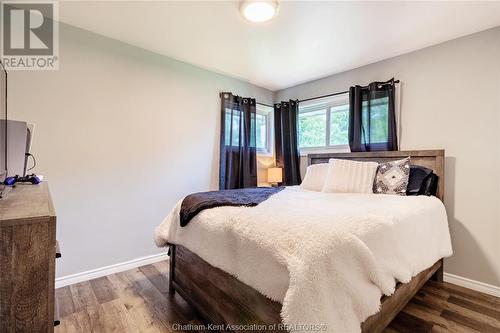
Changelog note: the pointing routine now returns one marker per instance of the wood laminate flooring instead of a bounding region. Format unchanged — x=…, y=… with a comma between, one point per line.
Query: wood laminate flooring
x=138, y=301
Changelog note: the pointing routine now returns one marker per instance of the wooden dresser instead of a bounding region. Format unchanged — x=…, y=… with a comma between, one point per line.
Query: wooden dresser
x=27, y=260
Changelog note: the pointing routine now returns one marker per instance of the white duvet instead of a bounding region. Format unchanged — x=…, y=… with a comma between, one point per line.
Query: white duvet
x=327, y=257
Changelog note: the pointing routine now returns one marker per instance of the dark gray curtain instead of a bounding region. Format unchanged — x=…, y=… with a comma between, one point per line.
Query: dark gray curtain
x=372, y=117
x=238, y=152
x=287, y=148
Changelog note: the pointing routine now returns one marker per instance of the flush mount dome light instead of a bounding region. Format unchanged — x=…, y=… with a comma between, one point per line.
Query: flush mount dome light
x=258, y=11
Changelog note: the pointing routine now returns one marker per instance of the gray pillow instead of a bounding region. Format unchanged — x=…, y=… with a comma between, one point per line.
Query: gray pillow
x=392, y=177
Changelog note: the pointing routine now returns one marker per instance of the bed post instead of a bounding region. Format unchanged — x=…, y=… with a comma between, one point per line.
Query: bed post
x=438, y=275
x=171, y=289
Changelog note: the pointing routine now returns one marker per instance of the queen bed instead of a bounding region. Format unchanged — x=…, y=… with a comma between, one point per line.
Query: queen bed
x=305, y=260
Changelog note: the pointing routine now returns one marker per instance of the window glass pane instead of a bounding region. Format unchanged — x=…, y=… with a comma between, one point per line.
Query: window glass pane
x=252, y=133
x=312, y=129
x=339, y=125
x=235, y=127
x=261, y=129
x=378, y=119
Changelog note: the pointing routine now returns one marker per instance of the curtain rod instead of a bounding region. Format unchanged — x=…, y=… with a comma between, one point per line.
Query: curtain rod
x=331, y=95
x=220, y=95
x=271, y=106
x=318, y=97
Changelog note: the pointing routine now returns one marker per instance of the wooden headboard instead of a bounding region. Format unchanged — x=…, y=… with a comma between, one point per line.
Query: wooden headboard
x=432, y=159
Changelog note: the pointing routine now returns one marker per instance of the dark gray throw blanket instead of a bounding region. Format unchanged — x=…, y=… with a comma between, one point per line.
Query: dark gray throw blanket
x=249, y=197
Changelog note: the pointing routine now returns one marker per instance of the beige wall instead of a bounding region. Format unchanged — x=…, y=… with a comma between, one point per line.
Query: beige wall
x=121, y=135
x=450, y=99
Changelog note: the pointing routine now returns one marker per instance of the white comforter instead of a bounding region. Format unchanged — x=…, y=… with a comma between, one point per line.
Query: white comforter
x=327, y=257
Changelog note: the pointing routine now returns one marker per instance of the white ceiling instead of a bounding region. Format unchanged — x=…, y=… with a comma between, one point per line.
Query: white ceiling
x=307, y=39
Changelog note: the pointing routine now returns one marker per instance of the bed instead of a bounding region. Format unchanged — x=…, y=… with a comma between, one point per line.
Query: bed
x=224, y=300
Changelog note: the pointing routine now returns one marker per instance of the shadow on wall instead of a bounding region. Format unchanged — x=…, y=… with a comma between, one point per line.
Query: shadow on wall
x=264, y=163
x=303, y=166
x=214, y=183
x=467, y=251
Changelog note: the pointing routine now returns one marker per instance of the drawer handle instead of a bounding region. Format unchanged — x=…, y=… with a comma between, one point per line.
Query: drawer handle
x=58, y=251
x=56, y=313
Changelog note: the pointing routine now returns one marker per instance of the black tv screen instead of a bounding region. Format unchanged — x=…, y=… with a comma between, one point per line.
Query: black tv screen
x=3, y=123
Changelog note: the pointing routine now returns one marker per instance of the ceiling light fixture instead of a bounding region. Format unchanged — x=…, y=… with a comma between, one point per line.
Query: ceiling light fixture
x=258, y=10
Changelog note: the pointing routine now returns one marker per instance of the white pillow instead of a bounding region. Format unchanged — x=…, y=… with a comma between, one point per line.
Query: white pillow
x=345, y=176
x=315, y=177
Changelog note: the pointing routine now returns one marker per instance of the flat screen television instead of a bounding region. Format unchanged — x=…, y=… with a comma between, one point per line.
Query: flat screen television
x=3, y=126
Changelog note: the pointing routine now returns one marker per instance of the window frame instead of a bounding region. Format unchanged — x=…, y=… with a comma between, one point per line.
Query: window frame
x=268, y=113
x=327, y=104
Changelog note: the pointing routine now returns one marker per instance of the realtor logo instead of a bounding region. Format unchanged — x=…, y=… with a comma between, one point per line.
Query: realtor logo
x=30, y=38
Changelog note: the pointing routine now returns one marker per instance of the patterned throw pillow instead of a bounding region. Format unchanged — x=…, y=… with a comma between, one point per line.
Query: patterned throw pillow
x=392, y=177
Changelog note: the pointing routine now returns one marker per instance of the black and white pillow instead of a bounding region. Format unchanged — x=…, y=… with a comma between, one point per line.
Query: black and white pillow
x=392, y=177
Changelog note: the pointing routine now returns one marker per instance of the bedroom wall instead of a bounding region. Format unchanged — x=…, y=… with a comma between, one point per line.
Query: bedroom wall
x=121, y=134
x=450, y=99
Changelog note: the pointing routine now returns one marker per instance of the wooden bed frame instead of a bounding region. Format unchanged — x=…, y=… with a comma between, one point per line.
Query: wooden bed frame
x=221, y=299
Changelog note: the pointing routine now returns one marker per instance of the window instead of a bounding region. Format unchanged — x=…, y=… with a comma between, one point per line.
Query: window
x=378, y=120
x=264, y=129
x=339, y=125
x=233, y=130
x=324, y=123
x=264, y=122
x=312, y=128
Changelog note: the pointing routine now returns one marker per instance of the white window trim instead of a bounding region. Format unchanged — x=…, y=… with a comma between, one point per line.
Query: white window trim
x=324, y=150
x=326, y=103
x=269, y=113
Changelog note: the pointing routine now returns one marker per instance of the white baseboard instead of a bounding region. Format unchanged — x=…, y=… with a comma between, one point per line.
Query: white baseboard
x=472, y=284
x=107, y=270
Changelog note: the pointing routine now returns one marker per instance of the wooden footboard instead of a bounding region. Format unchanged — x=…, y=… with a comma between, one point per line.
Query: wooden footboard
x=391, y=305
x=223, y=300
x=218, y=296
